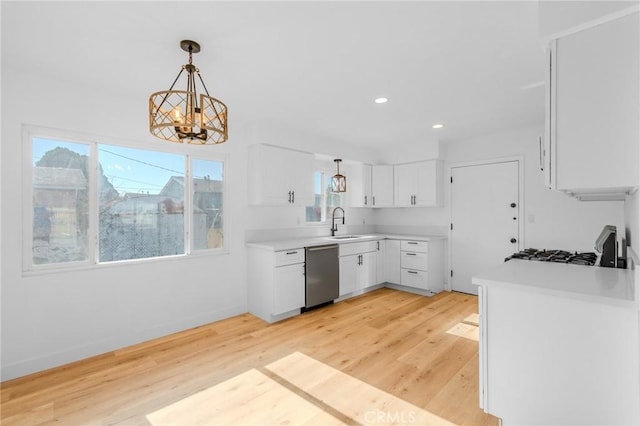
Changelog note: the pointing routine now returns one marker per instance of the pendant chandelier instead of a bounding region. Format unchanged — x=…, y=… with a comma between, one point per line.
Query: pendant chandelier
x=338, y=181
x=184, y=116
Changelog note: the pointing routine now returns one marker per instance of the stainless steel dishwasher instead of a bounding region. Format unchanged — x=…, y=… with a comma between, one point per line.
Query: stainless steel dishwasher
x=322, y=276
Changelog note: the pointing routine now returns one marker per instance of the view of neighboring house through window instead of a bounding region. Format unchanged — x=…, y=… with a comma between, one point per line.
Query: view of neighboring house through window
x=141, y=214
x=142, y=207
x=324, y=200
x=60, y=189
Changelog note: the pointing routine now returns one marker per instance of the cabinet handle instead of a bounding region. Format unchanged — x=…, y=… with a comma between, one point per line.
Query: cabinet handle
x=373, y=198
x=365, y=200
x=541, y=155
x=411, y=242
x=410, y=254
x=413, y=200
x=378, y=245
x=293, y=196
x=411, y=272
x=292, y=252
x=289, y=196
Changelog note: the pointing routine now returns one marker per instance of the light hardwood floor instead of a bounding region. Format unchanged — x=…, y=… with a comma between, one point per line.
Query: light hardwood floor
x=392, y=349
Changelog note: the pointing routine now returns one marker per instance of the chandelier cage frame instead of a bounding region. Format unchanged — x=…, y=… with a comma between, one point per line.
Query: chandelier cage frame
x=184, y=116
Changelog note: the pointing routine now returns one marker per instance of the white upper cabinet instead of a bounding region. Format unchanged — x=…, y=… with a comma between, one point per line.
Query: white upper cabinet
x=279, y=176
x=593, y=110
x=370, y=186
x=418, y=184
x=382, y=186
x=359, y=185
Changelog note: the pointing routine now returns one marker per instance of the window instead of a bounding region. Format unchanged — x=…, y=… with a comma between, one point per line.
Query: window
x=60, y=201
x=98, y=203
x=324, y=200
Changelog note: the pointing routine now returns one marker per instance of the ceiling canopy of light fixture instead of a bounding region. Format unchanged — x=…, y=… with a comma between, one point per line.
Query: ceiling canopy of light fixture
x=184, y=116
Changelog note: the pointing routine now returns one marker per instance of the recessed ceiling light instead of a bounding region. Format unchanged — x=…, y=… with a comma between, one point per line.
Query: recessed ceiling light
x=381, y=100
x=438, y=126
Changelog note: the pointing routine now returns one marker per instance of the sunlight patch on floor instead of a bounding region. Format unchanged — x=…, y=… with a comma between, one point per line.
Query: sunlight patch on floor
x=465, y=330
x=359, y=401
x=253, y=398
x=250, y=398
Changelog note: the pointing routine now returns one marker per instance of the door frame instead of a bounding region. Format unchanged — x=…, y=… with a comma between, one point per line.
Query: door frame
x=517, y=158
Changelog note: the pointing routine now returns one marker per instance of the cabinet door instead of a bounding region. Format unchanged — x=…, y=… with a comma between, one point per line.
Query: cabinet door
x=367, y=272
x=349, y=266
x=380, y=261
x=266, y=183
x=359, y=185
x=276, y=172
x=382, y=186
x=596, y=107
x=298, y=177
x=392, y=261
x=404, y=182
x=288, y=288
x=428, y=191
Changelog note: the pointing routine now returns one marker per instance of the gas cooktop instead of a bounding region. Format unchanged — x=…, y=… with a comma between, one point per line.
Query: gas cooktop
x=559, y=256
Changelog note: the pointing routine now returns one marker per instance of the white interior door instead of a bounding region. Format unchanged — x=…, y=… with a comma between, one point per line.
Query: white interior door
x=485, y=219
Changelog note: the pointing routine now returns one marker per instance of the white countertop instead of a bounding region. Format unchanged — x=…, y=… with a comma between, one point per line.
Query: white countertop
x=288, y=244
x=591, y=283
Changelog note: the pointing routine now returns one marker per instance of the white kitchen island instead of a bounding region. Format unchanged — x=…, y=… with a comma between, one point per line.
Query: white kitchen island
x=559, y=344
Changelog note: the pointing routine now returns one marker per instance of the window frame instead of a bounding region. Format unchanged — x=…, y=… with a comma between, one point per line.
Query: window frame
x=30, y=132
x=326, y=171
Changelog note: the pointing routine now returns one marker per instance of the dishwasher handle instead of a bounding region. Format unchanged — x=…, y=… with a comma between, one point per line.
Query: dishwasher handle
x=331, y=247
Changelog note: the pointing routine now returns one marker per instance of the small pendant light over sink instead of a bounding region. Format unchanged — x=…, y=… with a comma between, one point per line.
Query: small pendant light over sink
x=184, y=116
x=338, y=181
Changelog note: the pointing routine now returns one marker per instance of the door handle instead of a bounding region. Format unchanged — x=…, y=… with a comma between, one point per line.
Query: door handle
x=513, y=205
x=513, y=241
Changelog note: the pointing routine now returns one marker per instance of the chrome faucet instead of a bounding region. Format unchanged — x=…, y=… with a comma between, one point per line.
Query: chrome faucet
x=334, y=227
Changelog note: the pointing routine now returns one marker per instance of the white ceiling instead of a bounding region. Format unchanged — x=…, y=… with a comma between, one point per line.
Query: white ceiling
x=476, y=66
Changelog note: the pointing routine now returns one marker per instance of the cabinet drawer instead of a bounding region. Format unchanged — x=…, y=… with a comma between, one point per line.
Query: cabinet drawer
x=414, y=278
x=289, y=257
x=347, y=249
x=412, y=260
x=414, y=246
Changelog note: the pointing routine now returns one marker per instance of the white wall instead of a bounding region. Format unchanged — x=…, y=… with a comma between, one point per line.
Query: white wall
x=51, y=319
x=551, y=219
x=555, y=17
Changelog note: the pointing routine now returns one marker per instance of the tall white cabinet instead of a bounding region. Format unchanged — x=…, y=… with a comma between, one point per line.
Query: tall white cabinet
x=592, y=118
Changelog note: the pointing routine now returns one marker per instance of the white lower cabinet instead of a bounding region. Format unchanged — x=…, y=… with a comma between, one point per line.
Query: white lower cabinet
x=380, y=261
x=392, y=262
x=358, y=266
x=289, y=287
x=276, y=283
x=554, y=359
x=421, y=265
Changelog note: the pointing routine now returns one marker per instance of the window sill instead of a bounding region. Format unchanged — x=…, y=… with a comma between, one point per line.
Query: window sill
x=81, y=267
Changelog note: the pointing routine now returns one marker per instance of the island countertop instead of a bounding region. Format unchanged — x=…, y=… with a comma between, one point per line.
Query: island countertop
x=590, y=283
